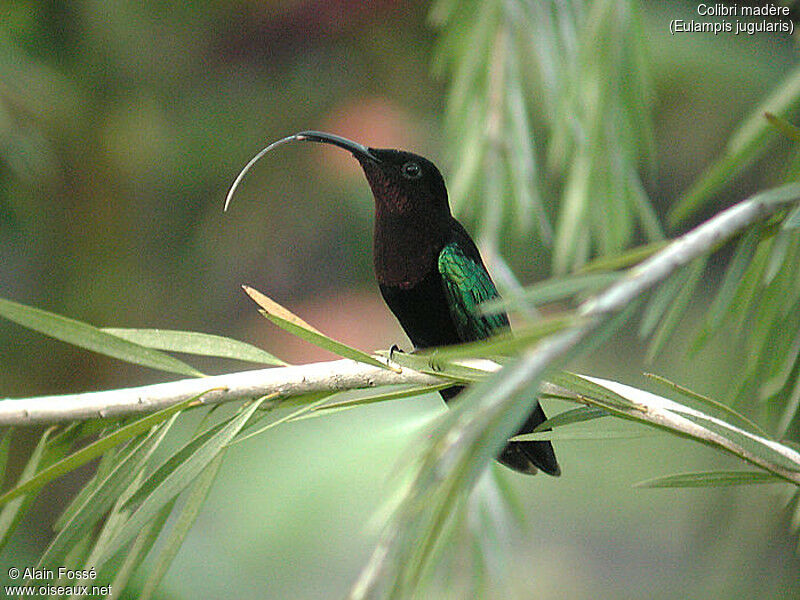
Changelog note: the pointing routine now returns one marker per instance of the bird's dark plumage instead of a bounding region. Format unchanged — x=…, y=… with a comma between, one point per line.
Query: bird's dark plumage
x=430, y=272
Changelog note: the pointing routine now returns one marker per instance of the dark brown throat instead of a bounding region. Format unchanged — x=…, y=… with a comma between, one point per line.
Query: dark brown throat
x=406, y=247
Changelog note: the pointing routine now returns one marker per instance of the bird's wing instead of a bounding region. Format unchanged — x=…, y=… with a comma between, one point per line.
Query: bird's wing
x=466, y=285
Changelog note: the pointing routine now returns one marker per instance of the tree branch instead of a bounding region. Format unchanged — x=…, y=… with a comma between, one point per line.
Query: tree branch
x=285, y=381
x=663, y=412
x=343, y=375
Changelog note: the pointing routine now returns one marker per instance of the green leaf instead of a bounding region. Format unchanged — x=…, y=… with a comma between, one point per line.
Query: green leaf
x=692, y=395
x=588, y=389
x=746, y=144
x=555, y=289
x=104, y=467
x=506, y=343
x=290, y=322
x=760, y=447
x=710, y=479
x=739, y=264
x=472, y=153
x=78, y=430
x=624, y=259
x=751, y=447
x=520, y=153
x=661, y=300
x=317, y=400
x=455, y=456
x=471, y=65
x=117, y=516
x=677, y=308
x=95, y=506
x=782, y=252
x=138, y=551
x=641, y=202
x=192, y=342
x=186, y=518
x=173, y=483
x=792, y=220
x=13, y=511
x=163, y=471
x=4, y=446
x=783, y=126
x=573, y=415
x=74, y=559
x=95, y=449
x=569, y=435
x=371, y=397
x=87, y=336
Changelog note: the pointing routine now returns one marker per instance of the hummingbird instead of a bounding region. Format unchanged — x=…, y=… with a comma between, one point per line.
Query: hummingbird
x=428, y=268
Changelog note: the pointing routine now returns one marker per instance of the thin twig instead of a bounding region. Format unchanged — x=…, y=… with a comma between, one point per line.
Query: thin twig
x=286, y=381
x=663, y=412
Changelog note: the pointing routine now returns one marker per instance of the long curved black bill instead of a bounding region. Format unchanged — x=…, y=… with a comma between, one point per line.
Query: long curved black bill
x=357, y=150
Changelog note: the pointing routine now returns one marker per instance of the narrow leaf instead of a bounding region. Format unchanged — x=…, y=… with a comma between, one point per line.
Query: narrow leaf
x=739, y=264
x=783, y=250
x=589, y=389
x=710, y=479
x=12, y=512
x=553, y=290
x=677, y=308
x=789, y=130
x=95, y=449
x=117, y=517
x=87, y=336
x=138, y=551
x=746, y=144
x=624, y=259
x=290, y=322
x=157, y=477
x=192, y=342
x=181, y=476
x=4, y=446
x=372, y=397
x=290, y=417
x=104, y=467
x=195, y=500
x=507, y=343
x=661, y=300
x=559, y=435
x=765, y=449
x=83, y=520
x=792, y=220
x=692, y=395
x=573, y=415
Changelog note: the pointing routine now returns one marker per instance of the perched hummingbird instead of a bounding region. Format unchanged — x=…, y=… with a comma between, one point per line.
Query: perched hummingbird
x=428, y=268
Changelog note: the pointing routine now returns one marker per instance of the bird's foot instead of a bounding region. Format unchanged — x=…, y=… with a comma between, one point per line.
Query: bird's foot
x=434, y=363
x=394, y=349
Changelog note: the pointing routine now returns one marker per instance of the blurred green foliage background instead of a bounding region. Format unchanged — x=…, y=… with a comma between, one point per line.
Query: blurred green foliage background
x=122, y=124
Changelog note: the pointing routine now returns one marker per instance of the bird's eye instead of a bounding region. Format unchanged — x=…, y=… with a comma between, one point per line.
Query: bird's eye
x=411, y=170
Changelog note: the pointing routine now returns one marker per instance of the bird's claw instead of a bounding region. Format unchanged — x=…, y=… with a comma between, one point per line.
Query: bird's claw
x=434, y=364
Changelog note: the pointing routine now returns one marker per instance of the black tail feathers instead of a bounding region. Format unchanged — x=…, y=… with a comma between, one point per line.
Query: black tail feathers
x=524, y=457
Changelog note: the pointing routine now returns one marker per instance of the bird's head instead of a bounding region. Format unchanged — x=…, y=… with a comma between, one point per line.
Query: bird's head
x=405, y=183
x=402, y=183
